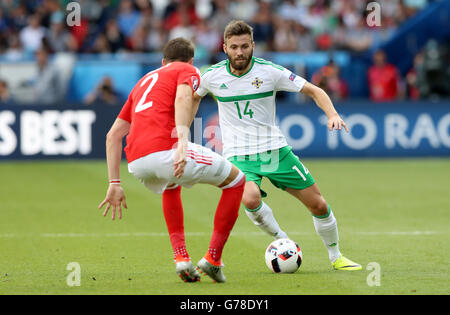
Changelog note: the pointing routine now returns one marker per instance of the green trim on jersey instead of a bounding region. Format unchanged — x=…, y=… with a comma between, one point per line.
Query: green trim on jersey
x=215, y=66
x=244, y=97
x=268, y=63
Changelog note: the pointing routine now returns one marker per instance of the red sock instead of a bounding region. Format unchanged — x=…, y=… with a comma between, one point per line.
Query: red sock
x=224, y=219
x=173, y=213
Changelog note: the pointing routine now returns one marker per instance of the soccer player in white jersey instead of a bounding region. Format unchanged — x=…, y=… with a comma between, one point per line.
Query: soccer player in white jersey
x=245, y=88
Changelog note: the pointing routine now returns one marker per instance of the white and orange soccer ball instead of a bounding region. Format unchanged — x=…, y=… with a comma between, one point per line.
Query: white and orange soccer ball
x=283, y=256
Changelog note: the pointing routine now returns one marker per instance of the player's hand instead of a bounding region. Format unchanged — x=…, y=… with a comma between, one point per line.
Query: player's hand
x=115, y=198
x=336, y=122
x=180, y=160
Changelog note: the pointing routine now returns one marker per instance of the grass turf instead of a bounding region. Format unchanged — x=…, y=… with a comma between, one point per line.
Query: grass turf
x=392, y=212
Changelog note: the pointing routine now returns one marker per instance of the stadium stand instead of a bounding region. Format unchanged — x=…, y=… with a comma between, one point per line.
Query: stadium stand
x=121, y=40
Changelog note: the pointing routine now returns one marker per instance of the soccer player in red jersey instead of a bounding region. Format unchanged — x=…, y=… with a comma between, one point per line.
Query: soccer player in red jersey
x=156, y=120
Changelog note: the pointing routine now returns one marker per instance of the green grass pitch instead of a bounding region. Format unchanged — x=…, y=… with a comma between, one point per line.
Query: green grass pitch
x=395, y=213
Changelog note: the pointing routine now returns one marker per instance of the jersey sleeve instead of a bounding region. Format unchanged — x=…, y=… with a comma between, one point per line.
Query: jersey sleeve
x=203, y=88
x=288, y=81
x=125, y=113
x=189, y=75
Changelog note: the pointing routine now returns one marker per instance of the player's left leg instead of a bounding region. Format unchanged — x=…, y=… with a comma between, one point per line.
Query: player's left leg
x=325, y=224
x=207, y=167
x=296, y=179
x=224, y=219
x=173, y=215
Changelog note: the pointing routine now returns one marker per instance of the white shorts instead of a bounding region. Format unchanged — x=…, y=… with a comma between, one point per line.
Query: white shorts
x=155, y=170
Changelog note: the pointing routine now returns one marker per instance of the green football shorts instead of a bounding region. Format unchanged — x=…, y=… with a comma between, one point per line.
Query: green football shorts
x=282, y=167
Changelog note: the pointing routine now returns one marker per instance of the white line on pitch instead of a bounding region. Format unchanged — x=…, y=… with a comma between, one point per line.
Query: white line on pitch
x=201, y=234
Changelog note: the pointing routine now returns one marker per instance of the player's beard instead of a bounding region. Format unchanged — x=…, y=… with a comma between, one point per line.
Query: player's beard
x=240, y=63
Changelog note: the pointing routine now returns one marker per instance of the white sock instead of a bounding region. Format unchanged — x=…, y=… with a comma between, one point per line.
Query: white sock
x=264, y=219
x=326, y=227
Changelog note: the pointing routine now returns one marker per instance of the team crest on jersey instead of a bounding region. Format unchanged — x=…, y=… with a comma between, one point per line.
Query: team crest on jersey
x=292, y=77
x=257, y=83
x=194, y=82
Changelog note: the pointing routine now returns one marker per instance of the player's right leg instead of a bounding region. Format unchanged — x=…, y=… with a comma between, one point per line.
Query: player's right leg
x=259, y=212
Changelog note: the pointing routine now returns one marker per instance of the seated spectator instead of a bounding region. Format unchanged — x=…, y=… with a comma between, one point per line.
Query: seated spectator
x=359, y=38
x=47, y=85
x=18, y=15
x=324, y=41
x=243, y=9
x=115, y=38
x=128, y=18
x=183, y=10
x=329, y=80
x=5, y=95
x=156, y=37
x=306, y=41
x=263, y=30
x=291, y=10
x=101, y=45
x=285, y=38
x=103, y=94
x=31, y=36
x=221, y=15
x=137, y=42
x=14, y=51
x=58, y=37
x=383, y=79
x=184, y=29
x=81, y=32
x=207, y=37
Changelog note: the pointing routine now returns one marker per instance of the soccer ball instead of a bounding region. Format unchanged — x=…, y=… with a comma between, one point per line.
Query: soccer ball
x=283, y=256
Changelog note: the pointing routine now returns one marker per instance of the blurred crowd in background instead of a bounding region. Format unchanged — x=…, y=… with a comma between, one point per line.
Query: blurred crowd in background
x=38, y=28
x=109, y=26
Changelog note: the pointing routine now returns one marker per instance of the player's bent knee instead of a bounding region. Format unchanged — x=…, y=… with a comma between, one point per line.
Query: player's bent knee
x=251, y=200
x=318, y=207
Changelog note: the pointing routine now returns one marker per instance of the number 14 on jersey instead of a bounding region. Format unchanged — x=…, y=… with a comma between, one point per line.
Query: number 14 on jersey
x=247, y=110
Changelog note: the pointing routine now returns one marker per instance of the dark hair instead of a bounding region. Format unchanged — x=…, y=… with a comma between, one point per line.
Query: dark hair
x=179, y=49
x=236, y=28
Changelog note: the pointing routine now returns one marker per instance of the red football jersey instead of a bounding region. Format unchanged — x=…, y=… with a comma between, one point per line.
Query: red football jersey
x=150, y=109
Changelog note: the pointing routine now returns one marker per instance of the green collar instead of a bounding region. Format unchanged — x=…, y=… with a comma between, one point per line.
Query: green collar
x=238, y=76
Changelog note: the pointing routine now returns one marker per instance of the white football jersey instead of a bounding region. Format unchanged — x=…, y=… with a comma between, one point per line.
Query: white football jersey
x=247, y=104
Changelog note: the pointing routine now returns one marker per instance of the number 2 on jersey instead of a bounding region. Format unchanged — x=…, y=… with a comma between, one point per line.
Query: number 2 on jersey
x=247, y=111
x=141, y=105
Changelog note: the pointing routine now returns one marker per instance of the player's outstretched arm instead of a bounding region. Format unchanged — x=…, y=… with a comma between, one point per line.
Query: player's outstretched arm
x=323, y=101
x=115, y=196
